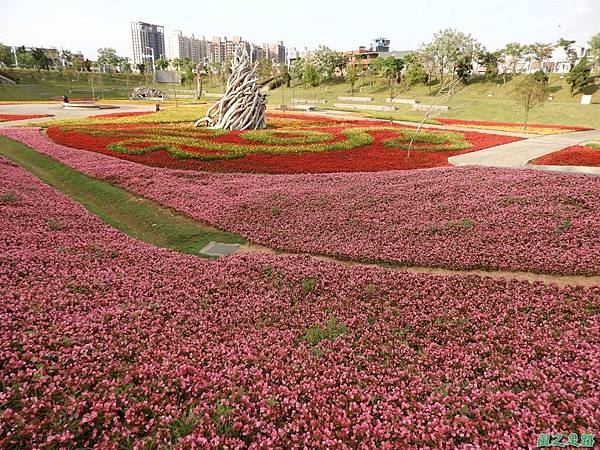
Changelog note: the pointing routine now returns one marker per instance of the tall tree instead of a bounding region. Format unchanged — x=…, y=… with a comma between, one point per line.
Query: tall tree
x=311, y=76
x=108, y=57
x=326, y=61
x=579, y=76
x=450, y=47
x=6, y=57
x=40, y=58
x=594, y=51
x=351, y=76
x=566, y=44
x=491, y=60
x=264, y=69
x=415, y=71
x=162, y=63
x=286, y=78
x=531, y=92
x=514, y=52
x=540, y=52
x=390, y=69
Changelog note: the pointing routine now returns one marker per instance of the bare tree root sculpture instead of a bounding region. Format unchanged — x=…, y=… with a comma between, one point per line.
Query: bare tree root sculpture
x=243, y=107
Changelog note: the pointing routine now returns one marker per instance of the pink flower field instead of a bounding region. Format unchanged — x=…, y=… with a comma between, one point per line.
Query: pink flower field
x=458, y=218
x=107, y=342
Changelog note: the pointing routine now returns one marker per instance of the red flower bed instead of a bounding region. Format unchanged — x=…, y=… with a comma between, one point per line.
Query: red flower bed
x=577, y=155
x=10, y=117
x=373, y=157
x=122, y=114
x=483, y=123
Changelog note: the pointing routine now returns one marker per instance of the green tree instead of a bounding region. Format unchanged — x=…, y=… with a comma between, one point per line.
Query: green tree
x=66, y=57
x=286, y=78
x=514, y=52
x=415, y=71
x=390, y=69
x=326, y=61
x=566, y=44
x=108, y=57
x=449, y=48
x=40, y=58
x=27, y=60
x=141, y=67
x=531, y=92
x=351, y=76
x=125, y=65
x=463, y=69
x=594, y=51
x=491, y=60
x=311, y=76
x=264, y=69
x=6, y=57
x=297, y=70
x=162, y=64
x=579, y=76
x=540, y=52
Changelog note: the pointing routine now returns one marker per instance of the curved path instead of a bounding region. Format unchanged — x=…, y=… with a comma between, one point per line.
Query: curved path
x=518, y=154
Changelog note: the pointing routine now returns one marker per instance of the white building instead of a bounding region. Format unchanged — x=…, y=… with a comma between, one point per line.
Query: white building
x=181, y=46
x=557, y=63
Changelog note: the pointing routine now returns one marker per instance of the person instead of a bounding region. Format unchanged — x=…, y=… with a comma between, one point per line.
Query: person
x=65, y=99
x=157, y=107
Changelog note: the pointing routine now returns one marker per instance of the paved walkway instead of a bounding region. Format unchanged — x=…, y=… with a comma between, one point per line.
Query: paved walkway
x=518, y=154
x=60, y=113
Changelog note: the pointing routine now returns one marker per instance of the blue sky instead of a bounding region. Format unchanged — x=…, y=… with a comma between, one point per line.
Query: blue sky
x=343, y=25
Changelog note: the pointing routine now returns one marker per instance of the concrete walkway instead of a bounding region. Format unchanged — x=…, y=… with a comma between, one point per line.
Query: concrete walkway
x=518, y=154
x=60, y=113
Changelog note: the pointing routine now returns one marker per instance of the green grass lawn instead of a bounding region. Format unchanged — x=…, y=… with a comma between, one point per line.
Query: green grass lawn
x=479, y=100
x=136, y=216
x=45, y=85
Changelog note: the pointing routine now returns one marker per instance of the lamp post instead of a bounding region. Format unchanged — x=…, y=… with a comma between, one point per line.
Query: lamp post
x=14, y=50
x=153, y=66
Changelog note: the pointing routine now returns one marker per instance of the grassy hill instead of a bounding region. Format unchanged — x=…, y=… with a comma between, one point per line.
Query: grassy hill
x=479, y=100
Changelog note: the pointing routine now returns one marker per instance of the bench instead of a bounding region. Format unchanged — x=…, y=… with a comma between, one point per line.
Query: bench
x=355, y=99
x=364, y=107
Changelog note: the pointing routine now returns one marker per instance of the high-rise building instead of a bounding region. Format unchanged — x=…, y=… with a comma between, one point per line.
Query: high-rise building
x=144, y=35
x=275, y=52
x=188, y=47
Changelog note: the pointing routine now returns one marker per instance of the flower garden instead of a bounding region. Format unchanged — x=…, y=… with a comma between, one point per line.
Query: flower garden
x=11, y=117
x=127, y=345
x=533, y=128
x=109, y=342
x=293, y=144
x=576, y=155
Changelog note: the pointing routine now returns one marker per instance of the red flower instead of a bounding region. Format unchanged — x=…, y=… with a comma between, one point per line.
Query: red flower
x=10, y=117
x=577, y=155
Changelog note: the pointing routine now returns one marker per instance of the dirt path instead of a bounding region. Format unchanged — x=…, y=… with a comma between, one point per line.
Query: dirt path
x=560, y=280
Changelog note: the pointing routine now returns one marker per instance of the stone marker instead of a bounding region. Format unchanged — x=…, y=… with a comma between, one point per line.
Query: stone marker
x=219, y=249
x=586, y=99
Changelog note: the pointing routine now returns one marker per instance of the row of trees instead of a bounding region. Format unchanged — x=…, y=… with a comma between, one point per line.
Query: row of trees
x=450, y=53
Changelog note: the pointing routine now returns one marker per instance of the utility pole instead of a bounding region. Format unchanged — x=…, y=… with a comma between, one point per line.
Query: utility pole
x=153, y=66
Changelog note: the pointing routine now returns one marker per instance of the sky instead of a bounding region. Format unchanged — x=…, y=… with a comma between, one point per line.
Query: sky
x=85, y=26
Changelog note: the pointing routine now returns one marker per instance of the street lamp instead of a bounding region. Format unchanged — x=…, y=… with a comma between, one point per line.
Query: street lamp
x=153, y=66
x=14, y=50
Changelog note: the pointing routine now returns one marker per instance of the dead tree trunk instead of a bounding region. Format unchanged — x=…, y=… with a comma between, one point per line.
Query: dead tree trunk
x=243, y=107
